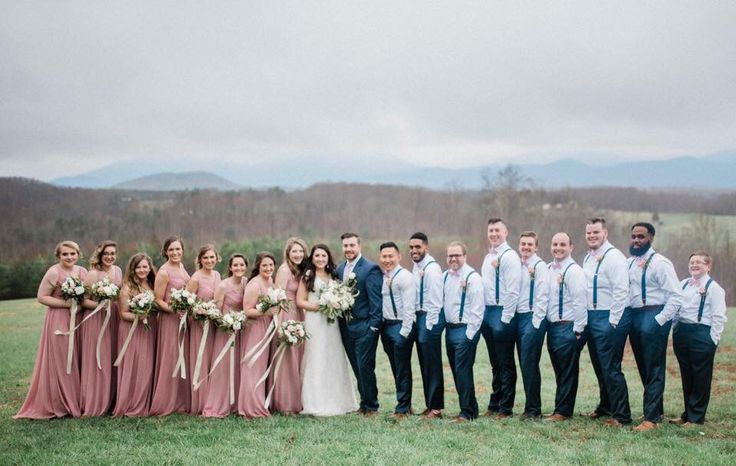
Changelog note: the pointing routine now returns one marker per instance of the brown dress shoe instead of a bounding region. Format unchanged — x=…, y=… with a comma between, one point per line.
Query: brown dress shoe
x=645, y=426
x=594, y=414
x=501, y=416
x=425, y=412
x=691, y=424
x=613, y=422
x=490, y=413
x=368, y=413
x=433, y=414
x=556, y=417
x=400, y=416
x=459, y=420
x=678, y=421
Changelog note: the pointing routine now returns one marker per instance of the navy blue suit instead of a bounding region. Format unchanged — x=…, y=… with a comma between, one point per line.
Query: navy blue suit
x=358, y=337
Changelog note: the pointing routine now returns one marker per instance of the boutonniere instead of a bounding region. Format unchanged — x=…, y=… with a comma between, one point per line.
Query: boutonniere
x=598, y=259
x=640, y=262
x=559, y=279
x=701, y=290
x=351, y=280
x=494, y=263
x=531, y=272
x=421, y=273
x=463, y=284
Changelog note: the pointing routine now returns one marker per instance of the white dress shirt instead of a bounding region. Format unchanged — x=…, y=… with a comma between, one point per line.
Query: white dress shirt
x=431, y=289
x=540, y=270
x=401, y=282
x=574, y=294
x=474, y=305
x=349, y=266
x=612, y=282
x=662, y=284
x=509, y=266
x=714, y=307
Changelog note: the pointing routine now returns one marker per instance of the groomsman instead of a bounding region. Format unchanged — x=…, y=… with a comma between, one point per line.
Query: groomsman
x=398, y=333
x=360, y=334
x=608, y=324
x=654, y=298
x=430, y=323
x=501, y=271
x=463, y=309
x=695, y=337
x=567, y=315
x=531, y=314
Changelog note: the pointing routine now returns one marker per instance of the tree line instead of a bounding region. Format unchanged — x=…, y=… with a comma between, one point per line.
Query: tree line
x=38, y=215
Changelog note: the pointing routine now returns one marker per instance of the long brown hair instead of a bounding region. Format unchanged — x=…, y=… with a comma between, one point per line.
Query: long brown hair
x=131, y=279
x=295, y=269
x=202, y=251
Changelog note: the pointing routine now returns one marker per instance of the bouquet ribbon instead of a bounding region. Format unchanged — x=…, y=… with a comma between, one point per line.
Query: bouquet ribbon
x=127, y=342
x=200, y=352
x=278, y=358
x=70, y=349
x=229, y=346
x=181, y=366
x=108, y=311
x=258, y=349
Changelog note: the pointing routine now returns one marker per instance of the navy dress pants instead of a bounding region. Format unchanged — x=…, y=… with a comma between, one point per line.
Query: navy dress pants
x=500, y=341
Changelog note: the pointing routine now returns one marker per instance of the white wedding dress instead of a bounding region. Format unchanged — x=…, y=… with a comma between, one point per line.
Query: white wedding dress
x=327, y=386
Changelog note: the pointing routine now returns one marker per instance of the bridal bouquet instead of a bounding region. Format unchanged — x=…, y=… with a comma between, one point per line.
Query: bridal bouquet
x=141, y=305
x=274, y=297
x=182, y=300
x=335, y=300
x=72, y=288
x=292, y=333
x=104, y=289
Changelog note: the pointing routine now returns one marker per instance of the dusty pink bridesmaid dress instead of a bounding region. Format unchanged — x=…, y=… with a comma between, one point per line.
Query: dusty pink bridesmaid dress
x=135, y=373
x=218, y=396
x=170, y=394
x=53, y=392
x=287, y=392
x=251, y=400
x=206, y=292
x=97, y=384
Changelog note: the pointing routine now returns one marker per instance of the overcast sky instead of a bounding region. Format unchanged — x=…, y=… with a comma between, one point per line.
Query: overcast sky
x=83, y=84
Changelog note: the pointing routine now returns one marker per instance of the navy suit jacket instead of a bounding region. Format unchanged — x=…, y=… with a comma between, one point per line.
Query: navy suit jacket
x=369, y=302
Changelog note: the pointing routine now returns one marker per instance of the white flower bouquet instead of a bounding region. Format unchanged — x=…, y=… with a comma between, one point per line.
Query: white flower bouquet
x=274, y=297
x=72, y=288
x=205, y=310
x=104, y=289
x=292, y=333
x=335, y=300
x=232, y=321
x=182, y=300
x=141, y=305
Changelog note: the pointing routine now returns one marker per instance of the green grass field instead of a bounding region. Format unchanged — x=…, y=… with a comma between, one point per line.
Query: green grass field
x=351, y=439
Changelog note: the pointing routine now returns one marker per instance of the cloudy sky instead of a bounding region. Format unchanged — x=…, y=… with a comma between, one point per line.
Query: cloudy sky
x=83, y=84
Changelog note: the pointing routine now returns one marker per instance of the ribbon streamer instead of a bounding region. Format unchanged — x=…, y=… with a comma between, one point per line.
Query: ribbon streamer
x=200, y=352
x=229, y=345
x=255, y=352
x=181, y=367
x=108, y=310
x=278, y=358
x=70, y=349
x=127, y=342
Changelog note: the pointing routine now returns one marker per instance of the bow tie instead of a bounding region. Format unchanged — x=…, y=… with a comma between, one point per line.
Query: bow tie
x=493, y=251
x=556, y=266
x=693, y=282
x=525, y=263
x=593, y=254
x=455, y=273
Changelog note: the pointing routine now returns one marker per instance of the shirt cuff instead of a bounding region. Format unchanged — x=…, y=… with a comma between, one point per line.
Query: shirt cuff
x=660, y=319
x=405, y=331
x=536, y=322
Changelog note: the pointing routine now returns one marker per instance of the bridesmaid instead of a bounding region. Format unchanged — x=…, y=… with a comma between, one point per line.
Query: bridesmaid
x=97, y=385
x=251, y=401
x=287, y=392
x=229, y=297
x=203, y=283
x=53, y=392
x=170, y=392
x=135, y=372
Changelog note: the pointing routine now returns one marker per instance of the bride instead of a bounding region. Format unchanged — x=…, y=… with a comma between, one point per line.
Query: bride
x=327, y=389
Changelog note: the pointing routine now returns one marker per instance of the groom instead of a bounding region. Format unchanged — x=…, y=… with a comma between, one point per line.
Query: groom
x=360, y=334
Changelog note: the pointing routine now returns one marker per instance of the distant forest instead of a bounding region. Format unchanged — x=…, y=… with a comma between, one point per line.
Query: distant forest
x=37, y=215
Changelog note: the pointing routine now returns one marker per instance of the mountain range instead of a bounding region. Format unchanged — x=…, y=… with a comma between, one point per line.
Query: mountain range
x=713, y=172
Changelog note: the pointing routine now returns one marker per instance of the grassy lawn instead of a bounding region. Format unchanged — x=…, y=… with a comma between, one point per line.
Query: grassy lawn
x=351, y=439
